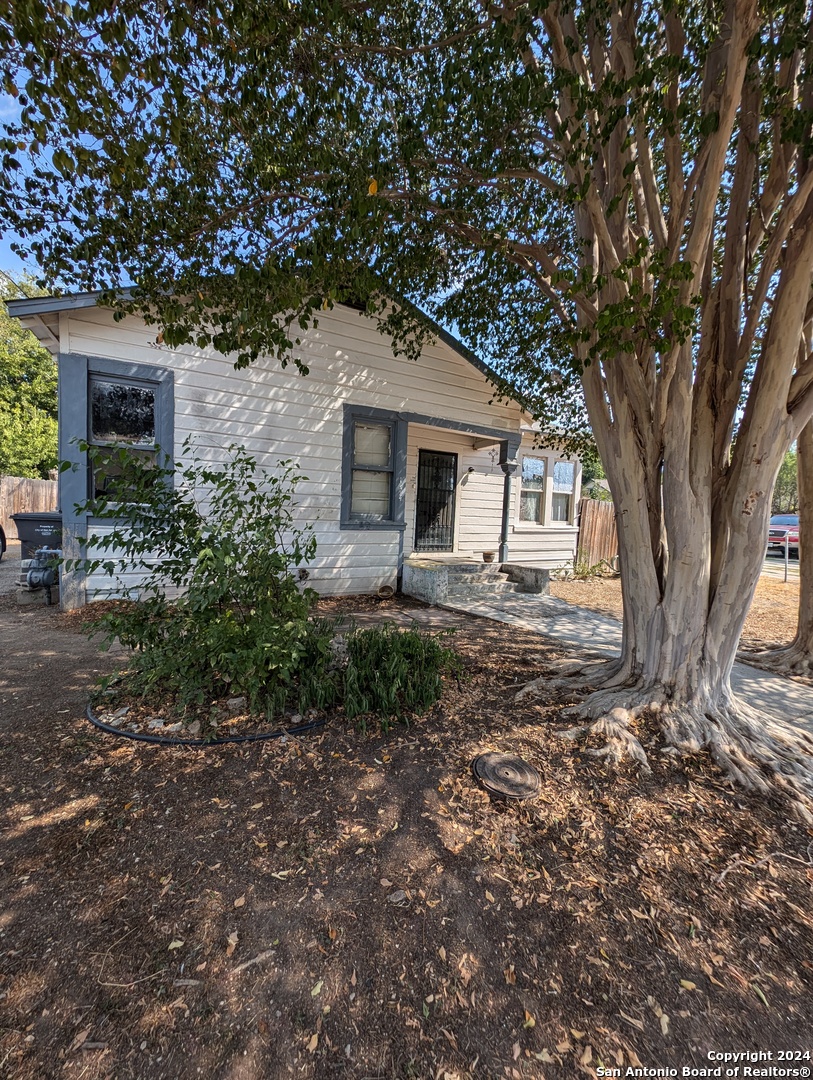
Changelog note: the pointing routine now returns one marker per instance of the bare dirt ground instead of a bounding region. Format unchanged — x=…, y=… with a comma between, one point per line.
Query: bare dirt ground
x=356, y=906
x=771, y=620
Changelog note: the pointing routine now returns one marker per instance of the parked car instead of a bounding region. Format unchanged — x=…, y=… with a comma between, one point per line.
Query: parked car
x=781, y=526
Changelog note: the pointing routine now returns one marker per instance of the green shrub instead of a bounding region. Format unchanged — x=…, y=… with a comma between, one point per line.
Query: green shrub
x=221, y=609
x=390, y=673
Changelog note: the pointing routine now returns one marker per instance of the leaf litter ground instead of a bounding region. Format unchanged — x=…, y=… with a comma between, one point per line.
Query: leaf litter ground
x=356, y=906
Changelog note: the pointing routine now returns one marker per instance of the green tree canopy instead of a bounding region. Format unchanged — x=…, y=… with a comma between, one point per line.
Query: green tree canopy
x=28, y=393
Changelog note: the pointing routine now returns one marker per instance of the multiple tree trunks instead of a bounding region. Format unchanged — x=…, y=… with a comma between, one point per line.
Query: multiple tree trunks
x=693, y=504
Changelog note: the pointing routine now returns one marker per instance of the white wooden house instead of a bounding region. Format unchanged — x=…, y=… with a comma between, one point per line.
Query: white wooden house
x=404, y=458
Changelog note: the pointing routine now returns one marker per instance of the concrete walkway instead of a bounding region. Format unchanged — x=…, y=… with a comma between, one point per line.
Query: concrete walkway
x=783, y=699
x=774, y=568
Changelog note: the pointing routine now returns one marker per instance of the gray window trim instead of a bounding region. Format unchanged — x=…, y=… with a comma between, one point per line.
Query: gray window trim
x=400, y=423
x=75, y=372
x=398, y=426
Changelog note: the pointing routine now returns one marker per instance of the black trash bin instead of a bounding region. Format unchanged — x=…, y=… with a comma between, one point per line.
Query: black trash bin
x=43, y=530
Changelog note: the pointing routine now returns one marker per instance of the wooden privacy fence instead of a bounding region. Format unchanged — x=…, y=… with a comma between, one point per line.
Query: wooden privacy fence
x=598, y=539
x=21, y=496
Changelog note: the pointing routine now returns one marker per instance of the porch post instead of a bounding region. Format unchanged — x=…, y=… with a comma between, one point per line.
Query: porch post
x=508, y=464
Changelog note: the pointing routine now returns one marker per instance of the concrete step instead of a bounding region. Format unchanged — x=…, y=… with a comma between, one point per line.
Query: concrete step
x=480, y=569
x=481, y=591
x=463, y=577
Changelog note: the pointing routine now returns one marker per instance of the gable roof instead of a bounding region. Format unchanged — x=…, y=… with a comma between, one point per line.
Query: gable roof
x=40, y=314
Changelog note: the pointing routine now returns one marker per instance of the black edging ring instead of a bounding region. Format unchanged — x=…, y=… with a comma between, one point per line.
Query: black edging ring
x=162, y=740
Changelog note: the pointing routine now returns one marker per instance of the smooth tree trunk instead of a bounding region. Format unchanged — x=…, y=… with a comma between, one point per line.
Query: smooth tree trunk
x=692, y=528
x=681, y=633
x=692, y=500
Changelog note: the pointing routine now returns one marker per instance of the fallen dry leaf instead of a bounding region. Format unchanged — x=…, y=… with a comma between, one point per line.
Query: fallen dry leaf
x=664, y=1023
x=240, y=901
x=79, y=1039
x=510, y=975
x=176, y=944
x=687, y=984
x=313, y=1043
x=631, y=1020
x=450, y=1037
x=232, y=940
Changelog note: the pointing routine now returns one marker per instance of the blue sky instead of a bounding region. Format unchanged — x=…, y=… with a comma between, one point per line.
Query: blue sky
x=9, y=111
x=11, y=262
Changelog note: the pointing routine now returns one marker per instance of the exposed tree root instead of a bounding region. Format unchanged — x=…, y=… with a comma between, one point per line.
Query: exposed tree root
x=574, y=675
x=620, y=741
x=755, y=751
x=793, y=659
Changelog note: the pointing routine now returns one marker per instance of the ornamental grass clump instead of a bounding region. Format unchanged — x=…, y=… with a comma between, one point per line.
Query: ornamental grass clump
x=390, y=673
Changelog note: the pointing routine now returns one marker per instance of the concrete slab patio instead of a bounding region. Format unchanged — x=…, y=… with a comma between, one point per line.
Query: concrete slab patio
x=781, y=698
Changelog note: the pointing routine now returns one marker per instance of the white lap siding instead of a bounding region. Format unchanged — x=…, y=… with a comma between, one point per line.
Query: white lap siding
x=552, y=544
x=277, y=413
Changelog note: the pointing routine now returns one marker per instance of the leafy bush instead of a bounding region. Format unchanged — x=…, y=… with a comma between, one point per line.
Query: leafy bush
x=221, y=609
x=391, y=672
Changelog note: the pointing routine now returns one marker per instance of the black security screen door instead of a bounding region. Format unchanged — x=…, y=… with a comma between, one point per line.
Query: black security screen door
x=434, y=512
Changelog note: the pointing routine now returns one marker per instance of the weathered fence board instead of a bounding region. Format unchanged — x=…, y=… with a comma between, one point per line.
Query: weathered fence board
x=598, y=539
x=20, y=496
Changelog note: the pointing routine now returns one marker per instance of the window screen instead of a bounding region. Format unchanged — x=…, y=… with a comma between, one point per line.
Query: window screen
x=371, y=493
x=564, y=476
x=532, y=490
x=121, y=414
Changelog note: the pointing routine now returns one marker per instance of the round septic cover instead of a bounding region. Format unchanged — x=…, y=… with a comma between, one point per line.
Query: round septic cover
x=506, y=775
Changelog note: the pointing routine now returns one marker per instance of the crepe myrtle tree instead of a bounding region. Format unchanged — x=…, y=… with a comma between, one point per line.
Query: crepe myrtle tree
x=615, y=195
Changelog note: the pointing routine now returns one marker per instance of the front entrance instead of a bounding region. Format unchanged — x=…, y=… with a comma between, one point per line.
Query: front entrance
x=435, y=501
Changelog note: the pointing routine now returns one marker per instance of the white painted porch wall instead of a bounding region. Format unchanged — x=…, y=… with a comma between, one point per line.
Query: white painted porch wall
x=478, y=510
x=276, y=413
x=478, y=515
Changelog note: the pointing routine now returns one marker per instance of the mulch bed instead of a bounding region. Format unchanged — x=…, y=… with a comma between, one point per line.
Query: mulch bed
x=356, y=906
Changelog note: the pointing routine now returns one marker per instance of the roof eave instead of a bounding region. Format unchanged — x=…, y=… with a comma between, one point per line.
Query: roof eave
x=31, y=313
